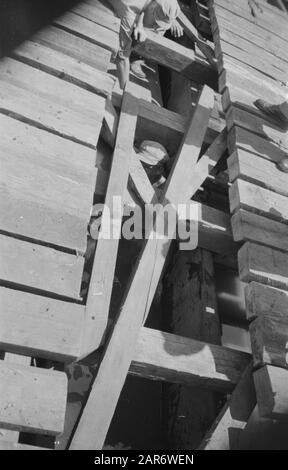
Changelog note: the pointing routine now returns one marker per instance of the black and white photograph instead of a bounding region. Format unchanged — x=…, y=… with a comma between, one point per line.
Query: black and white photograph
x=143, y=229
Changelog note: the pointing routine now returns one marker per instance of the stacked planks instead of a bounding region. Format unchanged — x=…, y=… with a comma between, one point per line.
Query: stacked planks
x=53, y=90
x=251, y=50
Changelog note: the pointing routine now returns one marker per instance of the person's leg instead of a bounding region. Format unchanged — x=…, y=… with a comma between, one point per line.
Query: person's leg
x=123, y=68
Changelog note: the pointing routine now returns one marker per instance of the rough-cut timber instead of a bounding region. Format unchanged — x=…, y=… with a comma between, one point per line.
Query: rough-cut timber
x=173, y=358
x=225, y=433
x=271, y=385
x=32, y=399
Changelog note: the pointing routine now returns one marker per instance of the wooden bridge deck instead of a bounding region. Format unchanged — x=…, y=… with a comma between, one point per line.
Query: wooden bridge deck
x=53, y=89
x=251, y=50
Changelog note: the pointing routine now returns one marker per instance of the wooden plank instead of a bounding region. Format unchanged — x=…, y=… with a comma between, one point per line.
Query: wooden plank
x=247, y=226
x=192, y=33
x=257, y=125
x=268, y=335
x=245, y=195
x=257, y=14
x=249, y=167
x=242, y=84
x=6, y=445
x=104, y=263
x=220, y=13
x=98, y=13
x=40, y=267
x=32, y=399
x=92, y=428
x=225, y=432
x=65, y=67
x=39, y=171
x=39, y=326
x=6, y=435
x=224, y=38
x=263, y=300
x=271, y=384
x=239, y=138
x=167, y=127
x=242, y=51
x=49, y=102
x=78, y=48
x=178, y=58
x=241, y=28
x=89, y=30
x=263, y=264
x=263, y=21
x=173, y=358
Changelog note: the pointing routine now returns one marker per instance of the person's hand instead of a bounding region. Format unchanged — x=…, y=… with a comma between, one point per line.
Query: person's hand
x=176, y=29
x=139, y=33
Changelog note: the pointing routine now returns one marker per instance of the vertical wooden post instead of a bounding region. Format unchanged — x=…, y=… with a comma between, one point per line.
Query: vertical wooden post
x=190, y=308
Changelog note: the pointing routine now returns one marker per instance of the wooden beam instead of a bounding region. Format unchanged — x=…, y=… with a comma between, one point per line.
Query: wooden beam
x=6, y=435
x=263, y=264
x=178, y=58
x=190, y=306
x=173, y=358
x=104, y=263
x=22, y=264
x=264, y=300
x=225, y=433
x=243, y=194
x=75, y=47
x=67, y=68
x=269, y=335
x=40, y=326
x=271, y=384
x=247, y=226
x=86, y=29
x=32, y=399
x=7, y=445
x=192, y=33
x=98, y=412
x=245, y=165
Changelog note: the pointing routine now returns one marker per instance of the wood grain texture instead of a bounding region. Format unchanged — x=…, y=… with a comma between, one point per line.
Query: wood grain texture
x=41, y=268
x=178, y=58
x=247, y=226
x=89, y=30
x=173, y=358
x=269, y=343
x=50, y=102
x=65, y=67
x=39, y=326
x=104, y=263
x=39, y=172
x=243, y=194
x=240, y=138
x=249, y=167
x=264, y=300
x=99, y=13
x=78, y=48
x=32, y=399
x=263, y=264
x=225, y=433
x=271, y=384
